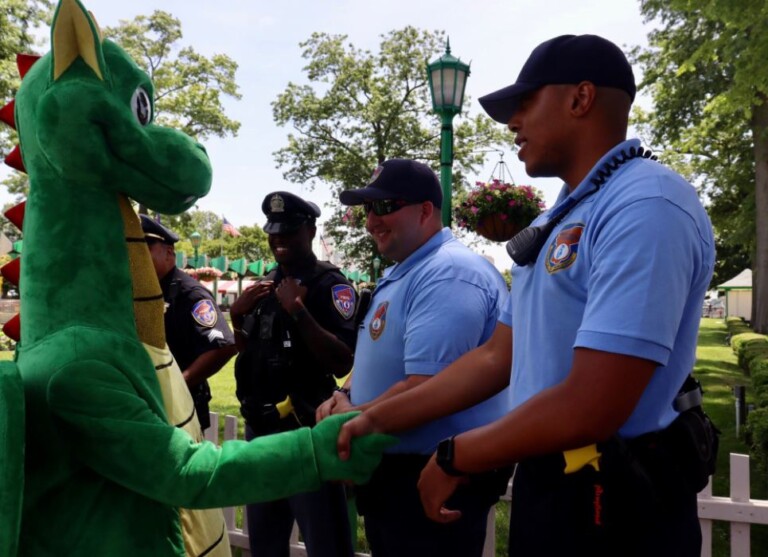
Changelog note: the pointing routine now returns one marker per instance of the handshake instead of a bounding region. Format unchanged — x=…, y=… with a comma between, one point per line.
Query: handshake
x=364, y=452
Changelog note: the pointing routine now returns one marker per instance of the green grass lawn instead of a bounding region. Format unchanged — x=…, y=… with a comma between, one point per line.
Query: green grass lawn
x=717, y=369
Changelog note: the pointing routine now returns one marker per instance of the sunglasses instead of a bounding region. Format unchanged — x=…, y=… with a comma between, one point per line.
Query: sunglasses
x=381, y=207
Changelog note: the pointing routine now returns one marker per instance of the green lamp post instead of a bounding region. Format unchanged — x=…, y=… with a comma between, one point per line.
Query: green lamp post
x=195, y=240
x=447, y=80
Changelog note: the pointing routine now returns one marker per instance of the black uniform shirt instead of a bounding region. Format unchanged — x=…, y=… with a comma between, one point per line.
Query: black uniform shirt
x=193, y=322
x=331, y=300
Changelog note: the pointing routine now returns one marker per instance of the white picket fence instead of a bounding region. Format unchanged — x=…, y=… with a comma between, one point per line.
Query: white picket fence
x=739, y=509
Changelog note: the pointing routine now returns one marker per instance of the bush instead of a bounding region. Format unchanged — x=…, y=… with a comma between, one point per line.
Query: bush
x=752, y=353
x=746, y=337
x=758, y=366
x=757, y=435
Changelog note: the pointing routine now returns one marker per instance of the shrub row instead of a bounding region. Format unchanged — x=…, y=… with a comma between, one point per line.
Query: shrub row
x=751, y=350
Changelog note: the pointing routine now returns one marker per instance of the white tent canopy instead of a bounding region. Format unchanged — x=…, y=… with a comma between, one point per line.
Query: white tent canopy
x=742, y=280
x=738, y=295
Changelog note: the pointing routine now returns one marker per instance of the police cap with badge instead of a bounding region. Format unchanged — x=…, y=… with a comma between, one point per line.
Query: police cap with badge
x=156, y=232
x=286, y=212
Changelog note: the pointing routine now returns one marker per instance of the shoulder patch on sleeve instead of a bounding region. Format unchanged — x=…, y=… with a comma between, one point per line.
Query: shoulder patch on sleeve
x=344, y=300
x=204, y=313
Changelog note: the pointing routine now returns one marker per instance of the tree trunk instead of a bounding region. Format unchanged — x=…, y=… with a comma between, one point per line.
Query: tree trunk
x=760, y=266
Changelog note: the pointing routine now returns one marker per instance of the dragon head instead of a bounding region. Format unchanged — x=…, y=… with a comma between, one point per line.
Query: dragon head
x=85, y=115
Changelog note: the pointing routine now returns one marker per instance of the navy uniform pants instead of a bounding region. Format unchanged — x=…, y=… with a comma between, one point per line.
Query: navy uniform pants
x=395, y=523
x=600, y=514
x=321, y=515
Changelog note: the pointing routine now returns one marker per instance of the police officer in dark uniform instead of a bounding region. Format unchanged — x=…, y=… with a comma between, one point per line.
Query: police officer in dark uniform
x=195, y=329
x=295, y=331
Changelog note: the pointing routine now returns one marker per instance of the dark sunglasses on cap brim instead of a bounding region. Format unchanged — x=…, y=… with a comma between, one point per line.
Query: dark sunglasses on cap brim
x=382, y=207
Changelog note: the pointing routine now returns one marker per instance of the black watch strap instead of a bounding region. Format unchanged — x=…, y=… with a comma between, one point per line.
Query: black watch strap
x=445, y=454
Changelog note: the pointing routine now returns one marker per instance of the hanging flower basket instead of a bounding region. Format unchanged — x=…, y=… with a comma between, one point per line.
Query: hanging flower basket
x=497, y=211
x=496, y=228
x=204, y=274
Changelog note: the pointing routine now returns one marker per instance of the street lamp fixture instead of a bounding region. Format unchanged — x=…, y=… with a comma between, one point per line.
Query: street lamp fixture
x=447, y=80
x=376, y=267
x=195, y=239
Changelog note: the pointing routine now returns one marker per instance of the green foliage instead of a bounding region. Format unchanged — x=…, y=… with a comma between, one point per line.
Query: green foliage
x=189, y=88
x=18, y=19
x=744, y=337
x=705, y=71
x=361, y=108
x=757, y=433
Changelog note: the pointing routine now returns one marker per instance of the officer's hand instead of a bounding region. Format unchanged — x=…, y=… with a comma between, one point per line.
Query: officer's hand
x=365, y=456
x=325, y=409
x=290, y=294
x=356, y=427
x=250, y=296
x=435, y=487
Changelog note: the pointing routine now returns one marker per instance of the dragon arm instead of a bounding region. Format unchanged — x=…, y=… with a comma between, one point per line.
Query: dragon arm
x=115, y=433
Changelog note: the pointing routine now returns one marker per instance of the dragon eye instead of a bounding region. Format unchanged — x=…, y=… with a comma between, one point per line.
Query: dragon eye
x=141, y=106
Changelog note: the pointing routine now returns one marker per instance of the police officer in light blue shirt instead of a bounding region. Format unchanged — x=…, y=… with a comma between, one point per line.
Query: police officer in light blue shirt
x=599, y=332
x=439, y=301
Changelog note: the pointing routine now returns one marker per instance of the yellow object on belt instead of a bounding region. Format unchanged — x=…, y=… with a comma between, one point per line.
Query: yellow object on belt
x=576, y=459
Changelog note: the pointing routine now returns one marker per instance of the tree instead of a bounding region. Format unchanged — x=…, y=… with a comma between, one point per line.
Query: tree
x=705, y=70
x=188, y=86
x=362, y=108
x=18, y=18
x=251, y=244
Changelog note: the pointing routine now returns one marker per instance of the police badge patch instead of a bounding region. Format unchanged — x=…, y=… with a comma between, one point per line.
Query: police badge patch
x=564, y=248
x=344, y=300
x=379, y=321
x=204, y=313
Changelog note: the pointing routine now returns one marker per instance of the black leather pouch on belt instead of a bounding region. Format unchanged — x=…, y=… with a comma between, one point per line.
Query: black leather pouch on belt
x=692, y=442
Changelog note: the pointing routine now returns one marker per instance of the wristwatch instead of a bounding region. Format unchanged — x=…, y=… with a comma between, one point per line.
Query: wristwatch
x=445, y=457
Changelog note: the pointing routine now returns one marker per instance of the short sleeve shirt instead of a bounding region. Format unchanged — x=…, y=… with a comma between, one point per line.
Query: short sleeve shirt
x=624, y=272
x=426, y=311
x=194, y=323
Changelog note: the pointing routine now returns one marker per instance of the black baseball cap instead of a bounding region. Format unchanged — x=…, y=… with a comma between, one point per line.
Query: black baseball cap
x=286, y=212
x=568, y=59
x=401, y=179
x=156, y=232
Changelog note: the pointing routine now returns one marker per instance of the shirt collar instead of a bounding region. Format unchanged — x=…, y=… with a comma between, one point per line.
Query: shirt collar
x=586, y=187
x=399, y=270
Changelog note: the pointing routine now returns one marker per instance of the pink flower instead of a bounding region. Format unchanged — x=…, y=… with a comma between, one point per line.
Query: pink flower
x=489, y=197
x=512, y=202
x=502, y=216
x=474, y=209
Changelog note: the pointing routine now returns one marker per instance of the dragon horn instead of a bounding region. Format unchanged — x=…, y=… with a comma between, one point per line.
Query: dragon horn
x=12, y=270
x=12, y=328
x=16, y=214
x=6, y=114
x=14, y=160
x=24, y=62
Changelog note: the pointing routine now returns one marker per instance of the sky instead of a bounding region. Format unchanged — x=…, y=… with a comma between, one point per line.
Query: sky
x=495, y=36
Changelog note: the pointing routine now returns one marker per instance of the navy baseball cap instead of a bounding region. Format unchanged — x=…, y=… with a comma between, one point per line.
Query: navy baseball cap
x=400, y=179
x=568, y=59
x=286, y=212
x=156, y=232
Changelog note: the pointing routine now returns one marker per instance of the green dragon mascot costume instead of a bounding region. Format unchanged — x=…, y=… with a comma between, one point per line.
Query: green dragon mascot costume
x=112, y=452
